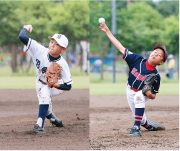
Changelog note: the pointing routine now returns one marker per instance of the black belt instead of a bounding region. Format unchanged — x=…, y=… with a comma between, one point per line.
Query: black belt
x=42, y=82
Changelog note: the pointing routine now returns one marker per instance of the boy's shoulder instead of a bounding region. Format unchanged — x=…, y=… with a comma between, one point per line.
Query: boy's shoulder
x=62, y=61
x=129, y=55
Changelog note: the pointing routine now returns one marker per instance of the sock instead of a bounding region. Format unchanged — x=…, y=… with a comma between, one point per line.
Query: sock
x=43, y=108
x=138, y=116
x=51, y=117
x=147, y=126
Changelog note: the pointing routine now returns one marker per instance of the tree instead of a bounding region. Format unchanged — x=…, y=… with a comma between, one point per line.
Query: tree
x=172, y=32
x=9, y=29
x=98, y=9
x=37, y=14
x=72, y=19
x=137, y=26
x=168, y=8
x=47, y=18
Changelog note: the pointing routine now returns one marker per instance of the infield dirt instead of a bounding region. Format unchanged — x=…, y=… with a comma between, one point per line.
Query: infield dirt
x=110, y=117
x=18, y=114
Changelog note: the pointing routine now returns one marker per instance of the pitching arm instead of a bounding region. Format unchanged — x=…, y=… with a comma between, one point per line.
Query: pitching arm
x=23, y=37
x=117, y=44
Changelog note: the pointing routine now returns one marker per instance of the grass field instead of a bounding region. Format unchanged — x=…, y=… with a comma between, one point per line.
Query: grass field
x=23, y=80
x=106, y=87
x=28, y=82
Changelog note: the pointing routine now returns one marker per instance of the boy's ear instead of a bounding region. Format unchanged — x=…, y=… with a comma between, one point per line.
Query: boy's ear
x=63, y=49
x=161, y=63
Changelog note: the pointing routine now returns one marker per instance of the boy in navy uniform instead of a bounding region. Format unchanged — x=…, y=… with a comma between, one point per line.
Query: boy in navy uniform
x=139, y=70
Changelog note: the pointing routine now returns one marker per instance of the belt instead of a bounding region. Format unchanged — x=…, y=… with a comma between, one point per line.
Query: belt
x=136, y=90
x=42, y=82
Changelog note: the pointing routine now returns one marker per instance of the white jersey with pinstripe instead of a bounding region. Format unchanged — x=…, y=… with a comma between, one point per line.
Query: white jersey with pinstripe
x=41, y=59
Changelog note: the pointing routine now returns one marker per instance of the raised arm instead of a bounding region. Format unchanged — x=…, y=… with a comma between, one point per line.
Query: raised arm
x=117, y=44
x=22, y=35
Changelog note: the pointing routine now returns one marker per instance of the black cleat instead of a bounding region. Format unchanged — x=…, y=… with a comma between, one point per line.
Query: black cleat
x=155, y=126
x=135, y=131
x=38, y=129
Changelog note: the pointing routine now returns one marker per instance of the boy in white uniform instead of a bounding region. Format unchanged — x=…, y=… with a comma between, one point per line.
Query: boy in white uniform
x=43, y=58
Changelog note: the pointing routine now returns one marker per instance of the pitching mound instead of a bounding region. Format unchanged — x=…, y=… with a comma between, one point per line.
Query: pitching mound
x=19, y=112
x=110, y=117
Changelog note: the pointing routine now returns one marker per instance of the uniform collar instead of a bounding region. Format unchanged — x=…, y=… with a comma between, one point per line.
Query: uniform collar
x=52, y=59
x=150, y=67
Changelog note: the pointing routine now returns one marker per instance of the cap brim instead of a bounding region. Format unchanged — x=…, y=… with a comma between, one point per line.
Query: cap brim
x=50, y=38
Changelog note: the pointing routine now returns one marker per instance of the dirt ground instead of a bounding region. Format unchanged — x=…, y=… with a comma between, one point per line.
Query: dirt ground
x=18, y=114
x=110, y=117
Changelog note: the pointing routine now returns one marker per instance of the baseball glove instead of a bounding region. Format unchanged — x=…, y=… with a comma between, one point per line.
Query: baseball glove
x=52, y=74
x=149, y=83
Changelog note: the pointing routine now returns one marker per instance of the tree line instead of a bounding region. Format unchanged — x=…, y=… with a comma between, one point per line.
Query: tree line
x=70, y=18
x=140, y=25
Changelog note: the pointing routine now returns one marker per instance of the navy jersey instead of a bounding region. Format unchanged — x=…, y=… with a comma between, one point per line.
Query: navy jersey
x=139, y=69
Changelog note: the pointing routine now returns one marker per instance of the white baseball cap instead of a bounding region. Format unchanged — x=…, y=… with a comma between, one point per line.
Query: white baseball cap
x=61, y=39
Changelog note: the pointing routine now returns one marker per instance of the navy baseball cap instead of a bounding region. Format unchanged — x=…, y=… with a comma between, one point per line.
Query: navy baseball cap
x=162, y=47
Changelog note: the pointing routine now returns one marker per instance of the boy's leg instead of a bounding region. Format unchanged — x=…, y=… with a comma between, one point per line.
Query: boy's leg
x=43, y=108
x=52, y=118
x=137, y=106
x=153, y=126
x=44, y=98
x=135, y=131
x=139, y=101
x=130, y=97
x=50, y=115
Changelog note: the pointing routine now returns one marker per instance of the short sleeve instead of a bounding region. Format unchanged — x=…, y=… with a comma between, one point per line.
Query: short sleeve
x=131, y=58
x=65, y=74
x=33, y=47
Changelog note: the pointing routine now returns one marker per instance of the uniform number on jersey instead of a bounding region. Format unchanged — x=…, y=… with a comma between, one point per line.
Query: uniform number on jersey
x=44, y=70
x=37, y=63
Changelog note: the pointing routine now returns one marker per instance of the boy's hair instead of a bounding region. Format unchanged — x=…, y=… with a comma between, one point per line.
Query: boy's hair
x=163, y=48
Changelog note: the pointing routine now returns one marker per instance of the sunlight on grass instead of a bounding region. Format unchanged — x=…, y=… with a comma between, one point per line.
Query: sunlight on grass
x=106, y=87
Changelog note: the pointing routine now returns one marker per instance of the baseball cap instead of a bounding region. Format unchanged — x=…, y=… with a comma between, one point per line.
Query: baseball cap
x=61, y=39
x=162, y=47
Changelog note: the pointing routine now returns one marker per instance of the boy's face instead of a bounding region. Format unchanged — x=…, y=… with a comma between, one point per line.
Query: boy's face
x=156, y=57
x=55, y=49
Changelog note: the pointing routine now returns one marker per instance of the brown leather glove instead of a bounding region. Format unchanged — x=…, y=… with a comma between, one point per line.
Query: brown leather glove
x=52, y=74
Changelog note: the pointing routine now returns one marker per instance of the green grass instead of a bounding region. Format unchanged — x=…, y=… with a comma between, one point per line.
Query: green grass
x=24, y=80
x=7, y=71
x=106, y=87
x=29, y=82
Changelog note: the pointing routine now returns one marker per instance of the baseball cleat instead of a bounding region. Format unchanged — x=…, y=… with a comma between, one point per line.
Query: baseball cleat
x=135, y=131
x=57, y=122
x=155, y=126
x=38, y=129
